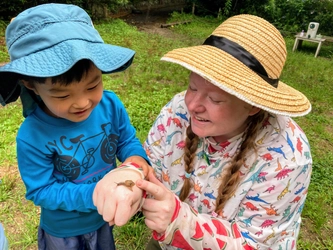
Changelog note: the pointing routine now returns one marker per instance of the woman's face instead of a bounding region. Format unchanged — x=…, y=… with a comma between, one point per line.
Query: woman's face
x=214, y=112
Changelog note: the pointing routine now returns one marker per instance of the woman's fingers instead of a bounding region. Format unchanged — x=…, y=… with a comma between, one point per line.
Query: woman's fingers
x=159, y=210
x=153, y=187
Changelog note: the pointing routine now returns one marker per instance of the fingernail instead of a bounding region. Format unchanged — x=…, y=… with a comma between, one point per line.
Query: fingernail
x=139, y=182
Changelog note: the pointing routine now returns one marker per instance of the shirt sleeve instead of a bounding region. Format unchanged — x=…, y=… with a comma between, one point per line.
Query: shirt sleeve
x=191, y=230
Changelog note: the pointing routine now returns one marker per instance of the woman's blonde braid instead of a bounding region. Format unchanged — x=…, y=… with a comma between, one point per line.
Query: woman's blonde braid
x=191, y=146
x=231, y=176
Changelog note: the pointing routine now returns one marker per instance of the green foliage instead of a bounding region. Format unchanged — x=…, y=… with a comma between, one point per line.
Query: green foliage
x=292, y=15
x=296, y=15
x=9, y=9
x=324, y=15
x=252, y=7
x=3, y=26
x=227, y=7
x=296, y=18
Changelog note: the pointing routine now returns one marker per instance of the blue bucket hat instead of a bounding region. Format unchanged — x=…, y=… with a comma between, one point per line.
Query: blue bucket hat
x=47, y=40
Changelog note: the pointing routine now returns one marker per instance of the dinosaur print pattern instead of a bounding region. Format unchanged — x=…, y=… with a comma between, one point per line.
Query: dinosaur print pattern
x=265, y=211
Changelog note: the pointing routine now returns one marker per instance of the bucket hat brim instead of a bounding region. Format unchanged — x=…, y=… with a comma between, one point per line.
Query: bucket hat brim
x=61, y=57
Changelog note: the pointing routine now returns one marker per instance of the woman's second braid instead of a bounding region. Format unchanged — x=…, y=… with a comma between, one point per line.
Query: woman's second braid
x=231, y=177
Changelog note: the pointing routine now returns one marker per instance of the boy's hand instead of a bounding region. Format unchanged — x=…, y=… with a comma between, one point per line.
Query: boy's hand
x=142, y=163
x=115, y=196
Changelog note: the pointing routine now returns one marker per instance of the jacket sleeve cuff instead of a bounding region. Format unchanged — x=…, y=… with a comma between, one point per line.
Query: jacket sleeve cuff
x=161, y=237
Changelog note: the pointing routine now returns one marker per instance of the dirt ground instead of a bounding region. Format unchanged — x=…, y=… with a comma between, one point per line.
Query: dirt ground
x=149, y=23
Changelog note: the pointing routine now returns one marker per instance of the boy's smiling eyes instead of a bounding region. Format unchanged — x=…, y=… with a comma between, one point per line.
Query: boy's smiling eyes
x=63, y=92
x=93, y=87
x=65, y=96
x=61, y=97
x=60, y=94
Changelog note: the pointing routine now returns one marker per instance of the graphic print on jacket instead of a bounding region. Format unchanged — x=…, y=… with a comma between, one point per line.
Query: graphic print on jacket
x=265, y=208
x=75, y=156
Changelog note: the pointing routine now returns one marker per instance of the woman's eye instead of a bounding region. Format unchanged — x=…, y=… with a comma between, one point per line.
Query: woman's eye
x=214, y=100
x=191, y=88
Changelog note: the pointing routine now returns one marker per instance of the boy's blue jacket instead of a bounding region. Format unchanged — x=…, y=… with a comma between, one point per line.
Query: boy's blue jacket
x=61, y=161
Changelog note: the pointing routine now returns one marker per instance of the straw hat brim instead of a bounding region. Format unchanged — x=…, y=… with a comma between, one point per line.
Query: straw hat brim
x=234, y=77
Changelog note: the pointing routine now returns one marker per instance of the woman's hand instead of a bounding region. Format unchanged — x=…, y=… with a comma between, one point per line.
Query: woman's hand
x=116, y=197
x=160, y=209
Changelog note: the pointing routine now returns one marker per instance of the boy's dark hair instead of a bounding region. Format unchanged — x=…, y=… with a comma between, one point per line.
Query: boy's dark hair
x=74, y=74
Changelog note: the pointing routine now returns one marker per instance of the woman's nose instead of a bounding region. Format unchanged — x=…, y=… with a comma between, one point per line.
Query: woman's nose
x=196, y=104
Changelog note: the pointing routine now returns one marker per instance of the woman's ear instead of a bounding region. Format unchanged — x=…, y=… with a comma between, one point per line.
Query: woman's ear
x=254, y=110
x=30, y=86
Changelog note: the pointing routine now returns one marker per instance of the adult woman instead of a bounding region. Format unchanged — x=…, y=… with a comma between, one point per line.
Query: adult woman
x=232, y=167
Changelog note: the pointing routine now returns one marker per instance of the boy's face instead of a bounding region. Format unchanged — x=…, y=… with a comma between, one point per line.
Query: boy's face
x=75, y=101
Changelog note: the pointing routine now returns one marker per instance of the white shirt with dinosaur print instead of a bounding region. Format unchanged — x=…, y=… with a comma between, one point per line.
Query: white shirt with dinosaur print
x=265, y=212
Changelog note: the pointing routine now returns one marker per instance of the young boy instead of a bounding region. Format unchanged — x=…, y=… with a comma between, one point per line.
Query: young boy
x=74, y=130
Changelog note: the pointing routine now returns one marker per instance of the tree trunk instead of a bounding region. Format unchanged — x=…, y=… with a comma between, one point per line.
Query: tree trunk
x=147, y=13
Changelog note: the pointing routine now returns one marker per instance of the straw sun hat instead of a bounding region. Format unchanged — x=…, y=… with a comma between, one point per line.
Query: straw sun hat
x=245, y=56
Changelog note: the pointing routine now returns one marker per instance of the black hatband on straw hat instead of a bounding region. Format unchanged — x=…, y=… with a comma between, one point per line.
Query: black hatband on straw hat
x=242, y=55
